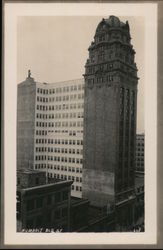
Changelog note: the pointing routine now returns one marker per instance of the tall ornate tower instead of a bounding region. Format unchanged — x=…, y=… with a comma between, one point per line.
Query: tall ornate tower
x=110, y=116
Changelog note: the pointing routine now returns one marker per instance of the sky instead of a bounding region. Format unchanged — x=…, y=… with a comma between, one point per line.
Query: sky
x=56, y=49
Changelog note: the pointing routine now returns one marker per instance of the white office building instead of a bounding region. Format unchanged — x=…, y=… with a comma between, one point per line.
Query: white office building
x=50, y=129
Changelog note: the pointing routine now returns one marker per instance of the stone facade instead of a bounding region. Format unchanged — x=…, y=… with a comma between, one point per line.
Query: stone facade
x=110, y=115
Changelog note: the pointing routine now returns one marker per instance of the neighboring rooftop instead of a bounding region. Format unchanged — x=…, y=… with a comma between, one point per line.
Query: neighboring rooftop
x=28, y=171
x=76, y=200
x=32, y=179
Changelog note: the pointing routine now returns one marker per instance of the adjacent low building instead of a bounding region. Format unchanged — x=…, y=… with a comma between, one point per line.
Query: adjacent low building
x=42, y=206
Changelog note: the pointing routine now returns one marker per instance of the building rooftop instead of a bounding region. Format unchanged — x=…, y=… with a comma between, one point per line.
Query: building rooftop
x=28, y=171
x=27, y=180
x=112, y=22
x=76, y=200
x=30, y=80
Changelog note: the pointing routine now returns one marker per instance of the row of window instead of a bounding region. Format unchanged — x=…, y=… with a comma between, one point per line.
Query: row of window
x=60, y=98
x=69, y=115
x=67, y=124
x=61, y=89
x=140, y=144
x=39, y=221
x=60, y=107
x=60, y=150
x=59, y=159
x=65, y=177
x=76, y=188
x=65, y=141
x=43, y=141
x=111, y=55
x=139, y=154
x=42, y=132
x=68, y=132
x=65, y=159
x=101, y=67
x=139, y=148
x=66, y=168
x=46, y=200
x=59, y=116
x=109, y=78
x=139, y=164
x=112, y=35
x=59, y=124
x=60, y=168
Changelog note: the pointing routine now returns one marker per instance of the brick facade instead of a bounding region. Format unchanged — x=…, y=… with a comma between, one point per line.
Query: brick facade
x=110, y=115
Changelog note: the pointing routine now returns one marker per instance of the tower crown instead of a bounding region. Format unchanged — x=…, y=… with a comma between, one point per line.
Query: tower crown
x=111, y=55
x=112, y=22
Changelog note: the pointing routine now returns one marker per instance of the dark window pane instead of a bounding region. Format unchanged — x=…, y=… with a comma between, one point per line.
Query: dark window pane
x=39, y=202
x=30, y=205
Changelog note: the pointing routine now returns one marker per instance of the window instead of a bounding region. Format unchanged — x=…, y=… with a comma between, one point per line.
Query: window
x=58, y=197
x=39, y=202
x=49, y=199
x=57, y=214
x=77, y=179
x=37, y=181
x=110, y=78
x=64, y=212
x=65, y=195
x=30, y=204
x=77, y=170
x=18, y=181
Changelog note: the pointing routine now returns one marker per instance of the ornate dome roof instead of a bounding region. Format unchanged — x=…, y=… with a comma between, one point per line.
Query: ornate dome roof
x=114, y=21
x=111, y=22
